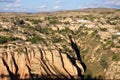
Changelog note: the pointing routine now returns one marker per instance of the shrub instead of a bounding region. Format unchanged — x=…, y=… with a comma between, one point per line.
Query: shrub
x=103, y=29
x=27, y=26
x=35, y=39
x=117, y=28
x=67, y=23
x=36, y=21
x=67, y=30
x=109, y=44
x=64, y=17
x=45, y=30
x=21, y=22
x=111, y=22
x=94, y=33
x=88, y=75
x=3, y=39
x=55, y=39
x=119, y=41
x=53, y=21
x=12, y=38
x=115, y=57
x=115, y=36
x=103, y=63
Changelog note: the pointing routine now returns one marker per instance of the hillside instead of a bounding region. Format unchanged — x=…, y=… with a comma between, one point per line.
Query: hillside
x=79, y=44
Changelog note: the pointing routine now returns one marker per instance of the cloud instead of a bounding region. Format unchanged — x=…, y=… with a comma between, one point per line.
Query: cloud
x=56, y=7
x=6, y=0
x=102, y=3
x=10, y=1
x=112, y=2
x=42, y=7
x=13, y=5
x=58, y=2
x=18, y=0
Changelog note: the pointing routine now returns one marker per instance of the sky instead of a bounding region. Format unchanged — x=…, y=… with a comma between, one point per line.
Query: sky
x=54, y=5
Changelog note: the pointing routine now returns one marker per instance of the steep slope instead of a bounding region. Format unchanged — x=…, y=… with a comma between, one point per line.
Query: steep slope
x=20, y=60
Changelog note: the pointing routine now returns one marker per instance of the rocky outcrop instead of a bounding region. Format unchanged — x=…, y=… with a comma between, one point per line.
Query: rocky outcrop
x=26, y=61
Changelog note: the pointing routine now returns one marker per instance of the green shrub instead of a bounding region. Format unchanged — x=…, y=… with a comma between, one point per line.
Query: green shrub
x=119, y=41
x=115, y=36
x=115, y=57
x=103, y=63
x=36, y=21
x=45, y=30
x=77, y=16
x=64, y=17
x=94, y=33
x=3, y=39
x=27, y=26
x=109, y=44
x=103, y=29
x=111, y=22
x=67, y=23
x=117, y=28
x=12, y=38
x=88, y=75
x=35, y=39
x=67, y=30
x=55, y=39
x=53, y=21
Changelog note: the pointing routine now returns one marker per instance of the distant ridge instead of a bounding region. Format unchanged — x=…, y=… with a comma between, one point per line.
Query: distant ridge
x=99, y=9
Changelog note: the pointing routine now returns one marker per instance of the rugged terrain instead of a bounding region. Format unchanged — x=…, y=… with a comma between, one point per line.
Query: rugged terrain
x=79, y=44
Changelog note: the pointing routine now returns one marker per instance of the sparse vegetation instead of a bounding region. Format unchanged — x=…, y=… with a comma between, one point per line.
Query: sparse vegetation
x=117, y=28
x=103, y=63
x=36, y=21
x=35, y=39
x=21, y=22
x=56, y=39
x=109, y=44
x=5, y=39
x=103, y=29
x=96, y=38
x=53, y=21
x=115, y=57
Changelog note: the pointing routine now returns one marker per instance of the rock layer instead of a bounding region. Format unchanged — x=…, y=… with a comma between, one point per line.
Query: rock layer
x=33, y=62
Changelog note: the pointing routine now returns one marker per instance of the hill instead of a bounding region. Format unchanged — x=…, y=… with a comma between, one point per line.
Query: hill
x=78, y=44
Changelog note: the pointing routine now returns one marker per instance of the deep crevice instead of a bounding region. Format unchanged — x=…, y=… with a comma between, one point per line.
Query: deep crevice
x=13, y=76
x=77, y=52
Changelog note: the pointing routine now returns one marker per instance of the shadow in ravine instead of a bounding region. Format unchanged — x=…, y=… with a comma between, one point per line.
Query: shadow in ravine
x=13, y=76
x=77, y=52
x=73, y=59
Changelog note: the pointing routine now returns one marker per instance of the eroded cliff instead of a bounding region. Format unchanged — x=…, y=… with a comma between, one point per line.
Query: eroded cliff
x=22, y=60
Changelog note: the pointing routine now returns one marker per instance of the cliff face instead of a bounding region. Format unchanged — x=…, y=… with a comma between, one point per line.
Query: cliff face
x=33, y=61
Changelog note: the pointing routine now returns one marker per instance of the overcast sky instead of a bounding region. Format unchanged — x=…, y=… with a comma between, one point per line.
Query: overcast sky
x=54, y=5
